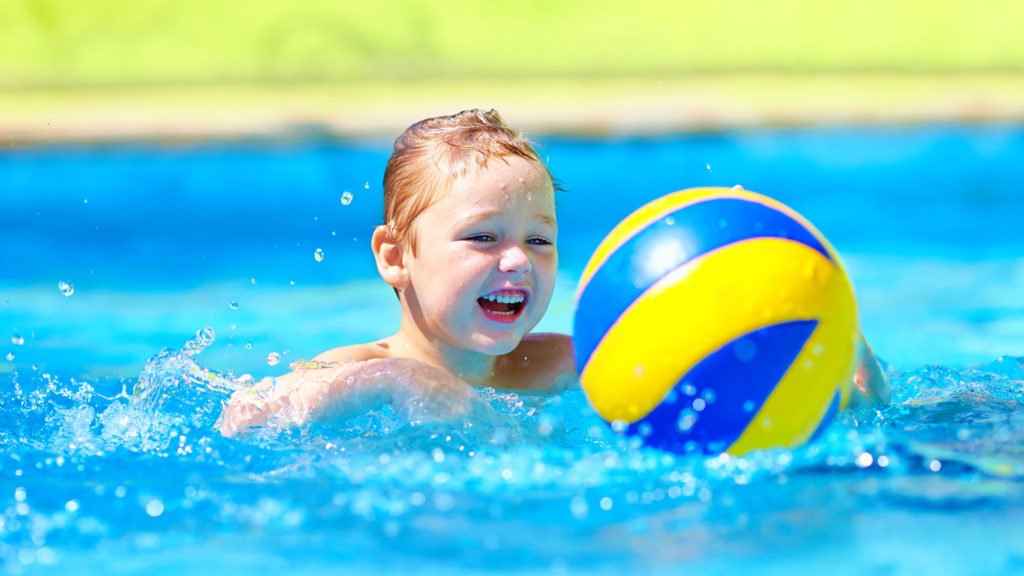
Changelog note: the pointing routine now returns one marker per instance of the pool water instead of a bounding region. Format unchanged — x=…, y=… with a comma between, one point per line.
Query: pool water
x=172, y=268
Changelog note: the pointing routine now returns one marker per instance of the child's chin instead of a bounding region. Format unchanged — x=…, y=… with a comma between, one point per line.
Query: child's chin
x=496, y=347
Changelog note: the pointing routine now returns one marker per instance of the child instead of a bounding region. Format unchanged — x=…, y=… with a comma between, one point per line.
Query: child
x=469, y=245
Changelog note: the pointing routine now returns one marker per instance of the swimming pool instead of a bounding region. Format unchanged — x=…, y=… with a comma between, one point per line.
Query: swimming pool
x=156, y=242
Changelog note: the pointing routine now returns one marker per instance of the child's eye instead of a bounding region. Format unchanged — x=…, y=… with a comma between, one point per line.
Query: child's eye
x=481, y=238
x=539, y=241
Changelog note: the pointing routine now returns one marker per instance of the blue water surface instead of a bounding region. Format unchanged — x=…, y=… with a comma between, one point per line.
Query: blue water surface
x=215, y=244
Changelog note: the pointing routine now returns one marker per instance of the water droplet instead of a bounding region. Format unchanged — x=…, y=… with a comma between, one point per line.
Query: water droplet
x=699, y=404
x=154, y=508
x=318, y=255
x=248, y=345
x=708, y=395
x=670, y=221
x=66, y=288
x=748, y=406
x=606, y=503
x=689, y=389
x=346, y=198
x=10, y=356
x=687, y=419
x=745, y=350
x=291, y=282
x=18, y=339
x=233, y=305
x=273, y=359
x=205, y=336
x=366, y=186
x=708, y=166
x=723, y=223
x=253, y=280
x=334, y=233
x=85, y=200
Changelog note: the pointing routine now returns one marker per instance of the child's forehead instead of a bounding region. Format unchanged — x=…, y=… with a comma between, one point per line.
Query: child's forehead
x=505, y=173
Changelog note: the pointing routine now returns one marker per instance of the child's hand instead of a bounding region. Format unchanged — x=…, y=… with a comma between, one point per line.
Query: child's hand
x=870, y=385
x=321, y=391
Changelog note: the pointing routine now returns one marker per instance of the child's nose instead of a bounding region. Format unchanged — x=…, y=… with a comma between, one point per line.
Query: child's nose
x=515, y=260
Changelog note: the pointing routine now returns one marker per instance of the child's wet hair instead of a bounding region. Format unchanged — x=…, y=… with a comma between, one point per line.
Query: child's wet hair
x=433, y=152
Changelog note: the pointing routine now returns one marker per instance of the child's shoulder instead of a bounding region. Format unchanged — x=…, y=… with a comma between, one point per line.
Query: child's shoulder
x=356, y=353
x=540, y=362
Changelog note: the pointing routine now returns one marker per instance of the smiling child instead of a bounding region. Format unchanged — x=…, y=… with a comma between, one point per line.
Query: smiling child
x=469, y=246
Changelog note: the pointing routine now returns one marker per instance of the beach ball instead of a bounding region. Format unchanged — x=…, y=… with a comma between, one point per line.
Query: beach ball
x=716, y=320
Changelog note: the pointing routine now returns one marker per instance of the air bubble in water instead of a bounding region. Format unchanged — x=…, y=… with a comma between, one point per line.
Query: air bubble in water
x=248, y=345
x=708, y=166
x=318, y=255
x=253, y=280
x=366, y=186
x=66, y=288
x=18, y=339
x=10, y=356
x=346, y=198
x=273, y=359
x=233, y=305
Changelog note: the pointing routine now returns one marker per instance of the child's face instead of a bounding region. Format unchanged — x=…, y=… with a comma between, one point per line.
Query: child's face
x=485, y=261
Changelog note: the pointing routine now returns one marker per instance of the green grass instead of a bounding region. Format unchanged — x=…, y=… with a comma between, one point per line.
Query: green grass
x=107, y=43
x=600, y=105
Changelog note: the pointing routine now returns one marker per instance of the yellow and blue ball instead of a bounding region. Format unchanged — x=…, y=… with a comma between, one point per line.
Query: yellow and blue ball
x=714, y=320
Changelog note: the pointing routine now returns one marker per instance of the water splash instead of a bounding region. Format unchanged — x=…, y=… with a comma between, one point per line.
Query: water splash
x=121, y=464
x=66, y=288
x=172, y=375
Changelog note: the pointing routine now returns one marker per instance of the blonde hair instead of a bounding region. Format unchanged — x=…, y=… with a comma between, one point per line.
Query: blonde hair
x=433, y=152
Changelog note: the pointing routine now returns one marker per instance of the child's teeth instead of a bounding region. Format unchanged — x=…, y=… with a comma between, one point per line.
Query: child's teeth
x=514, y=299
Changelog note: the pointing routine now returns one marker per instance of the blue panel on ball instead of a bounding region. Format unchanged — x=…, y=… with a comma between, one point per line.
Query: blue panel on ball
x=665, y=245
x=730, y=385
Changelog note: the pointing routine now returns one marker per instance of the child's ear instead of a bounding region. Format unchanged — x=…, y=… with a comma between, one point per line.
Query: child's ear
x=390, y=258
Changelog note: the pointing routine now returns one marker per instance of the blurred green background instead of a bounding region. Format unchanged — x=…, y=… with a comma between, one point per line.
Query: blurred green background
x=71, y=43
x=147, y=59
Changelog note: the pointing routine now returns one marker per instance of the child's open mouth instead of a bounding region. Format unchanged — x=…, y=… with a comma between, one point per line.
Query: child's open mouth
x=503, y=305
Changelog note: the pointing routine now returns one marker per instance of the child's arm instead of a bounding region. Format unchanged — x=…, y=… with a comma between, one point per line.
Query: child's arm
x=323, y=390
x=870, y=385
